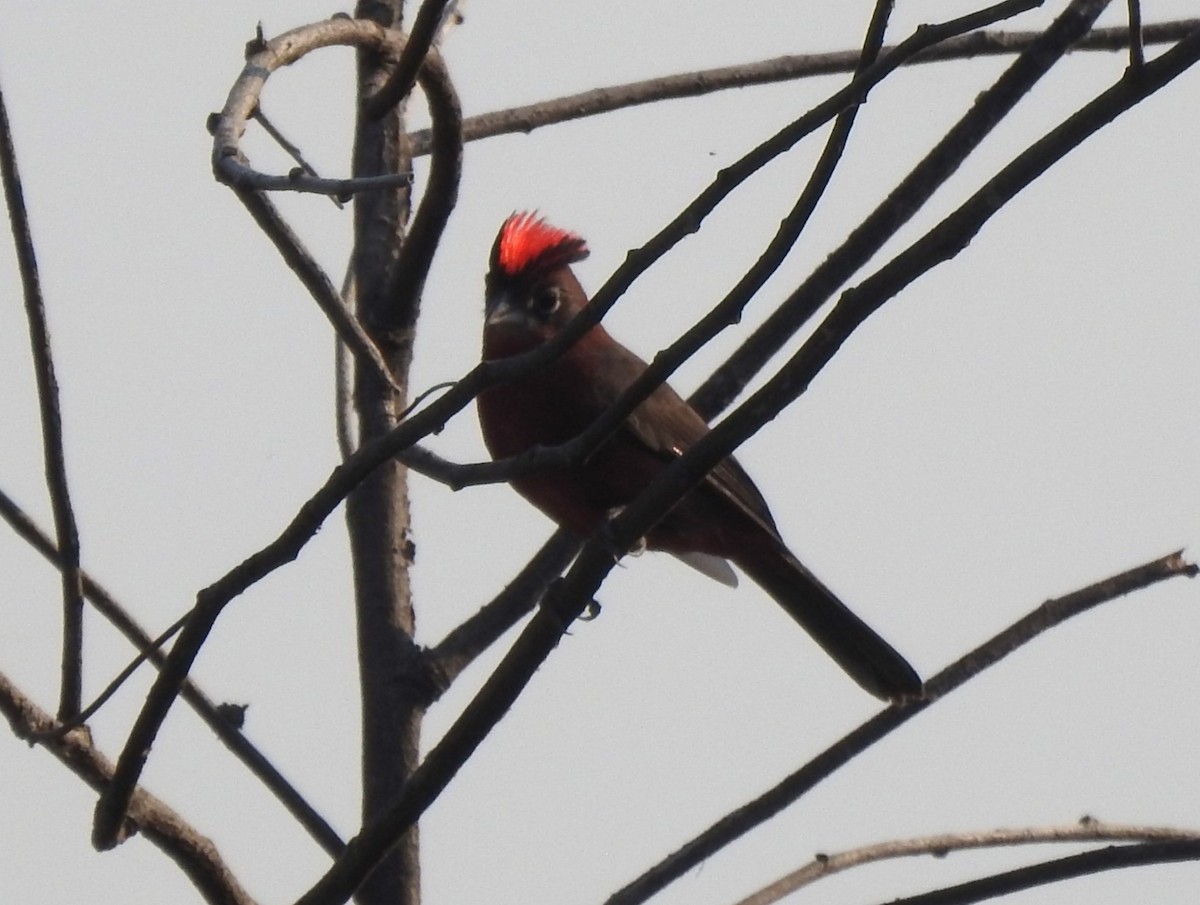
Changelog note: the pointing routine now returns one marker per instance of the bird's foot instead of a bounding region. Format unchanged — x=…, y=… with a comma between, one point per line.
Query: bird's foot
x=638, y=548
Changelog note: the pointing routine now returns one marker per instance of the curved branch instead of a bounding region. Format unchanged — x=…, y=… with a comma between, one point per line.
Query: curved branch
x=229, y=164
x=416, y=52
x=71, y=693
x=708, y=81
x=195, y=854
x=1085, y=830
x=441, y=192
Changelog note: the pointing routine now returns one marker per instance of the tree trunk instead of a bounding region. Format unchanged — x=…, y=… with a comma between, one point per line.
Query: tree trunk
x=377, y=512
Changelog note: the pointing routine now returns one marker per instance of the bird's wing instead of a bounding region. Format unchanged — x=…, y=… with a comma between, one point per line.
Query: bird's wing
x=667, y=425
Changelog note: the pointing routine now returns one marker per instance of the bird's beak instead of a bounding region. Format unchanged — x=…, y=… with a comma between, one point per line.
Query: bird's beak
x=502, y=311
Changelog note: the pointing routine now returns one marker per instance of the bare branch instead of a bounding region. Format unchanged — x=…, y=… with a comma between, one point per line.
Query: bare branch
x=229, y=164
x=71, y=693
x=416, y=50
x=288, y=147
x=240, y=746
x=708, y=81
x=316, y=281
x=909, y=196
x=540, y=637
x=195, y=854
x=441, y=192
x=739, y=822
x=1110, y=858
x=1085, y=830
x=466, y=642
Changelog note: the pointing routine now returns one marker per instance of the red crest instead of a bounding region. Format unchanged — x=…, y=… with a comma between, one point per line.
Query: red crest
x=526, y=239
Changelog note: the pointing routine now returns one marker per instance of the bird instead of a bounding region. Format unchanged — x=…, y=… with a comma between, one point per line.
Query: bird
x=531, y=293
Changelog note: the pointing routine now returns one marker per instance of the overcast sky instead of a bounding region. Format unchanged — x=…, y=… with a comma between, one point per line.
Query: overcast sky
x=1019, y=423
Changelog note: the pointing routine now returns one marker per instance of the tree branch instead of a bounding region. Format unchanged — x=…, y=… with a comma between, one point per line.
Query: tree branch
x=1110, y=858
x=195, y=854
x=1085, y=830
x=466, y=642
x=71, y=692
x=316, y=281
x=910, y=195
x=416, y=50
x=589, y=570
x=445, y=172
x=739, y=822
x=240, y=746
x=708, y=81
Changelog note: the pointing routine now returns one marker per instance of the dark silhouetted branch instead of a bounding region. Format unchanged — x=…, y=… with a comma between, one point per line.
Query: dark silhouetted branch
x=241, y=747
x=416, y=50
x=739, y=822
x=1113, y=857
x=991, y=106
x=71, y=693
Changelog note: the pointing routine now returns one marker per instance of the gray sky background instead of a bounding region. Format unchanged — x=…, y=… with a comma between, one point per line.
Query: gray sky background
x=1018, y=424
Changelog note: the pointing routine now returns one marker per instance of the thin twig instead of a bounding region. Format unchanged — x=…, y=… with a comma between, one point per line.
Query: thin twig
x=240, y=746
x=1085, y=830
x=71, y=692
x=1112, y=857
x=708, y=81
x=293, y=151
x=195, y=854
x=316, y=281
x=345, y=425
x=151, y=650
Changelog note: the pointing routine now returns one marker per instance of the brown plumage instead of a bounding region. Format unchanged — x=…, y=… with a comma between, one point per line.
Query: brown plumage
x=531, y=295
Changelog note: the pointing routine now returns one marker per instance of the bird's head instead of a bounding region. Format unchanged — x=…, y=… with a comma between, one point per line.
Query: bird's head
x=531, y=292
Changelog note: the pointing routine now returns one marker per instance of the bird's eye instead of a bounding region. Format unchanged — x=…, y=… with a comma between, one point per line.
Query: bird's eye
x=545, y=301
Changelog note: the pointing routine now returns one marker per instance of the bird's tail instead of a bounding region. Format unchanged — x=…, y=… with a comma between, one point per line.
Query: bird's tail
x=855, y=646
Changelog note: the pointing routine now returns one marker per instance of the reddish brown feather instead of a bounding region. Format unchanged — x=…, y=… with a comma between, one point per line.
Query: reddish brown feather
x=725, y=516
